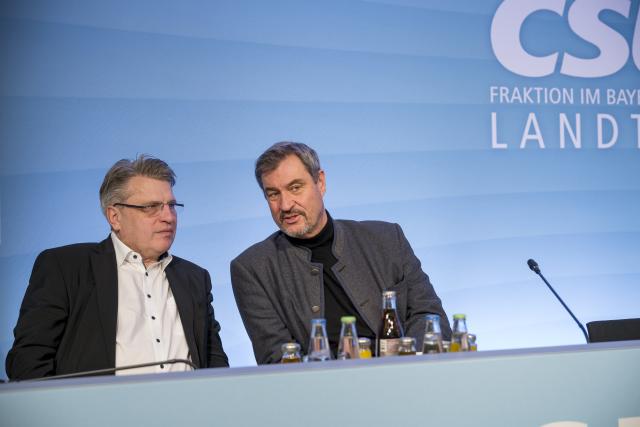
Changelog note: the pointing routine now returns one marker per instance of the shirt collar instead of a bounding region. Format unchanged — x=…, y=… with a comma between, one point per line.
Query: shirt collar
x=124, y=254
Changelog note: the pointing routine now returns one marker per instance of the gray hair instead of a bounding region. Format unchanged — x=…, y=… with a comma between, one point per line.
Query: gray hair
x=113, y=188
x=270, y=159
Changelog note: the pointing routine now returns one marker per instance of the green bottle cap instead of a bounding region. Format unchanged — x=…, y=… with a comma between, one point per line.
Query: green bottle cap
x=459, y=316
x=348, y=319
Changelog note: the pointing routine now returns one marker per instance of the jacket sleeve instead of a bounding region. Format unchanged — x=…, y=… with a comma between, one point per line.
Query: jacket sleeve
x=41, y=322
x=421, y=296
x=265, y=327
x=216, y=357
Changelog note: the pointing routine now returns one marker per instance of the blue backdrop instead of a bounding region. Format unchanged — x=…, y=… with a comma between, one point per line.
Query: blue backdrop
x=491, y=131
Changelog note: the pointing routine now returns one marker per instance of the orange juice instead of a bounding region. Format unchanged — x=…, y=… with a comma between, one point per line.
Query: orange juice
x=365, y=353
x=364, y=345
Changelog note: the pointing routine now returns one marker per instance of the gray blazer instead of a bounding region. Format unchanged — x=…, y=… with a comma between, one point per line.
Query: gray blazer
x=279, y=290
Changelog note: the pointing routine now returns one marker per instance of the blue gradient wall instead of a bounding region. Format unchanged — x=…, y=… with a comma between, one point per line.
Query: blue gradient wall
x=394, y=95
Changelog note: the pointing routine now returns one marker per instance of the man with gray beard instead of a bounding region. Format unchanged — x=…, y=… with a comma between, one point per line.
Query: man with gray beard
x=318, y=267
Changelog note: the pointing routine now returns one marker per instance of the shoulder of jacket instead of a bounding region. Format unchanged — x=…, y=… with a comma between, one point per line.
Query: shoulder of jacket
x=76, y=249
x=261, y=249
x=369, y=226
x=177, y=261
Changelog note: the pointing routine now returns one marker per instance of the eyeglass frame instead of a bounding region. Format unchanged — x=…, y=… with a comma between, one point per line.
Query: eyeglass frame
x=154, y=205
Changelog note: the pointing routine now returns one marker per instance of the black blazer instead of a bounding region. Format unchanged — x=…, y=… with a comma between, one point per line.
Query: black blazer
x=68, y=317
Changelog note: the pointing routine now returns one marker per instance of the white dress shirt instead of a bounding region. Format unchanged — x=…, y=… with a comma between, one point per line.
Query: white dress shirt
x=149, y=327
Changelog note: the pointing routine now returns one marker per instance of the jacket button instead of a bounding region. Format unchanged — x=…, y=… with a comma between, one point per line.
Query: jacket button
x=315, y=271
x=315, y=309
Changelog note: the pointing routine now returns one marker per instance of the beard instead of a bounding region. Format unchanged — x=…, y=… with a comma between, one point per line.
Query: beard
x=297, y=234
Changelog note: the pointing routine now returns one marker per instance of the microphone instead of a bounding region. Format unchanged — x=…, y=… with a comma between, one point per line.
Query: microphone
x=536, y=269
x=533, y=266
x=107, y=371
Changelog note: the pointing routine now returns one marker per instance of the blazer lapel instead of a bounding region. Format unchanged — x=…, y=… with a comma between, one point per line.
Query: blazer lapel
x=105, y=273
x=180, y=285
x=356, y=285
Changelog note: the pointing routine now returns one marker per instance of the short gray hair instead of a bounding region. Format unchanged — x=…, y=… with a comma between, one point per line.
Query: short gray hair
x=113, y=188
x=270, y=159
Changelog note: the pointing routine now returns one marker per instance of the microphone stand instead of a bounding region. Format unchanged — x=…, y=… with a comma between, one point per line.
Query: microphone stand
x=106, y=371
x=534, y=267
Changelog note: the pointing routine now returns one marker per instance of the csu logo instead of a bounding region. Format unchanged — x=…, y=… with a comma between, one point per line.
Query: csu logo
x=583, y=19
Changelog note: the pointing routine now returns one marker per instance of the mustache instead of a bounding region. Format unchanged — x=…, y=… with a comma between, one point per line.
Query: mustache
x=291, y=212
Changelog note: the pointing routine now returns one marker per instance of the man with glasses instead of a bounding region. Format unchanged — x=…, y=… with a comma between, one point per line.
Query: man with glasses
x=124, y=301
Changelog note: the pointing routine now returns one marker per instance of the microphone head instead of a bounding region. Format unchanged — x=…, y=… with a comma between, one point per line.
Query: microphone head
x=533, y=266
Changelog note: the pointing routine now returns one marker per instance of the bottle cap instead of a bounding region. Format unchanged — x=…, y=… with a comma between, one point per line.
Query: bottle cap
x=348, y=319
x=407, y=340
x=319, y=320
x=364, y=342
x=459, y=316
x=387, y=294
x=290, y=346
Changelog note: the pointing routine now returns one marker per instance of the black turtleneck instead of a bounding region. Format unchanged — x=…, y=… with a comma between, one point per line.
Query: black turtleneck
x=336, y=301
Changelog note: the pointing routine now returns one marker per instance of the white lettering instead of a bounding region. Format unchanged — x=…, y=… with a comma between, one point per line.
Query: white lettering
x=629, y=422
x=494, y=133
x=516, y=97
x=604, y=136
x=531, y=95
x=493, y=93
x=532, y=121
x=614, y=51
x=505, y=37
x=561, y=96
x=622, y=422
x=566, y=424
x=623, y=97
x=614, y=127
x=504, y=92
x=583, y=17
x=590, y=96
x=636, y=117
x=575, y=136
x=635, y=44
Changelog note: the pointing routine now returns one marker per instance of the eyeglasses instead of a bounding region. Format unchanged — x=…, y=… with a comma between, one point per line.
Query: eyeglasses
x=153, y=209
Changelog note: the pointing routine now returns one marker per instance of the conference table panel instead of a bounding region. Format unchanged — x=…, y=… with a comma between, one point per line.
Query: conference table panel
x=596, y=385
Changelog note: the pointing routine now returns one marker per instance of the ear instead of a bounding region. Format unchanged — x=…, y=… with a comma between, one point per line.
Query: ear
x=113, y=216
x=322, y=182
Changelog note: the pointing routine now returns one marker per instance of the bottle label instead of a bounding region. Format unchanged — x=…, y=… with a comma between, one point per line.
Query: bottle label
x=389, y=347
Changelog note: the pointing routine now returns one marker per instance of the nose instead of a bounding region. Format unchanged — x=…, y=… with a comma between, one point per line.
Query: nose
x=286, y=202
x=167, y=214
